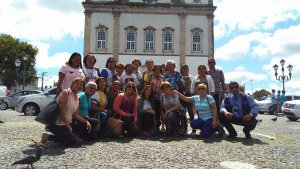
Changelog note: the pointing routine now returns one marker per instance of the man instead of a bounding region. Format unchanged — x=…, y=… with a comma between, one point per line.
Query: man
x=274, y=103
x=218, y=77
x=239, y=109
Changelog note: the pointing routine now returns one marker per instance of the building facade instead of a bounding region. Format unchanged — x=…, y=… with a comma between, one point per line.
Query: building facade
x=181, y=30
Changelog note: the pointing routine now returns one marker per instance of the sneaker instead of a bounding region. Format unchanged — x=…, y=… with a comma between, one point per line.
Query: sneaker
x=193, y=133
x=232, y=135
x=44, y=139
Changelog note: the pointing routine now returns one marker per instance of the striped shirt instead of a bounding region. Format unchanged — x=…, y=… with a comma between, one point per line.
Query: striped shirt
x=218, y=77
x=203, y=106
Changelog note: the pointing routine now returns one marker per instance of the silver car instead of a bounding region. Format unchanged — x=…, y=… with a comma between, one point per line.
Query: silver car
x=292, y=109
x=31, y=105
x=11, y=100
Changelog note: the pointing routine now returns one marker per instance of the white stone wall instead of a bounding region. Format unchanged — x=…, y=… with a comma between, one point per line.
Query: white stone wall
x=194, y=22
x=107, y=20
x=159, y=1
x=141, y=21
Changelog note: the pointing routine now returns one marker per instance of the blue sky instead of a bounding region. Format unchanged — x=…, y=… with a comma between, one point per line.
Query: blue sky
x=250, y=37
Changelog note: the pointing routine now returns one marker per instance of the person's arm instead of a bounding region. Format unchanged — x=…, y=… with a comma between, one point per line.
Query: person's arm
x=254, y=109
x=117, y=105
x=192, y=90
x=184, y=98
x=213, y=108
x=61, y=77
x=62, y=98
x=222, y=80
x=135, y=113
x=140, y=104
x=211, y=85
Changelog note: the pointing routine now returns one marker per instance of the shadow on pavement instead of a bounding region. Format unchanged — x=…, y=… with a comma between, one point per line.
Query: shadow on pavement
x=246, y=142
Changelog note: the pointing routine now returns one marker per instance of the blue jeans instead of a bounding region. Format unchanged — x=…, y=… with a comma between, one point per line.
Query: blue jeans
x=205, y=127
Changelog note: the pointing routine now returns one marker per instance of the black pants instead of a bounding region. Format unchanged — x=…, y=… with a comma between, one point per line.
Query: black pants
x=80, y=128
x=61, y=136
x=188, y=107
x=157, y=109
x=248, y=125
x=217, y=100
x=147, y=122
x=128, y=126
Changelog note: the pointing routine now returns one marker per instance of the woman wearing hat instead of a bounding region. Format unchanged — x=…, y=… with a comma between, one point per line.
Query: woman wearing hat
x=205, y=105
x=172, y=113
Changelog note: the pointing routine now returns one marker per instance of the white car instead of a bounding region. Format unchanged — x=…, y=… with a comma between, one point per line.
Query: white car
x=292, y=109
x=265, y=105
x=31, y=105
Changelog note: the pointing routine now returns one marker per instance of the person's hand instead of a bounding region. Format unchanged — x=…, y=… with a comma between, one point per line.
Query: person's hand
x=215, y=123
x=129, y=115
x=88, y=126
x=247, y=117
x=228, y=115
x=69, y=128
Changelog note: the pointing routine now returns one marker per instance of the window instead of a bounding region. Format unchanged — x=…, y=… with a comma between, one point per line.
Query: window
x=197, y=1
x=196, y=41
x=130, y=38
x=168, y=39
x=101, y=38
x=149, y=41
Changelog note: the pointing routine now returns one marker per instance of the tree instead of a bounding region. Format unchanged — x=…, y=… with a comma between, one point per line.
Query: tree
x=259, y=94
x=10, y=50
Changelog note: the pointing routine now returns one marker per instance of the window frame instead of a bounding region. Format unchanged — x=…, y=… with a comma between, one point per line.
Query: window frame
x=100, y=28
x=134, y=31
x=171, y=31
x=147, y=30
x=200, y=31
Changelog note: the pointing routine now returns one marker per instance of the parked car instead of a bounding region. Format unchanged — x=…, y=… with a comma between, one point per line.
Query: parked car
x=31, y=105
x=292, y=109
x=265, y=105
x=11, y=100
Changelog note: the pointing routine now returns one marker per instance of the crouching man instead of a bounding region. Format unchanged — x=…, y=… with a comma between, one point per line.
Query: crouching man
x=238, y=108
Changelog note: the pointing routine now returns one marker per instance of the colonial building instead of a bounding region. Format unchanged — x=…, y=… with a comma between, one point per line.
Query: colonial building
x=181, y=30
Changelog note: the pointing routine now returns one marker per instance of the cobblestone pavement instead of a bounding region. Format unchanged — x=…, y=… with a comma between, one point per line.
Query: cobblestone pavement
x=274, y=145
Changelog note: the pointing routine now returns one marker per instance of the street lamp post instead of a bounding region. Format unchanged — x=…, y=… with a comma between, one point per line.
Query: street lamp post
x=283, y=78
x=18, y=63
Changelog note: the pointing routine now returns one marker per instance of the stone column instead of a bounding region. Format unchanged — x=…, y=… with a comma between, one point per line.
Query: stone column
x=210, y=23
x=182, y=38
x=116, y=34
x=87, y=33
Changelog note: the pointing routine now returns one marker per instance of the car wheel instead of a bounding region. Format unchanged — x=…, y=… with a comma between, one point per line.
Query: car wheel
x=3, y=106
x=31, y=109
x=293, y=118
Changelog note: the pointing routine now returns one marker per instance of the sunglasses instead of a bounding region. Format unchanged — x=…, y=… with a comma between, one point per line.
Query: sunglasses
x=211, y=62
x=132, y=87
x=232, y=87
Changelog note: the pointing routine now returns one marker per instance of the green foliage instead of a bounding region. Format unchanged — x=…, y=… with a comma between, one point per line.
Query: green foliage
x=10, y=50
x=259, y=94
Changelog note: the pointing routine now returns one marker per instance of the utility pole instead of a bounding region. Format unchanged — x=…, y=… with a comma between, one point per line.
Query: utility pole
x=43, y=74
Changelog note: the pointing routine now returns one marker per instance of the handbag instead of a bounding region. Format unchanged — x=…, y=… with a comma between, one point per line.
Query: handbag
x=114, y=126
x=49, y=114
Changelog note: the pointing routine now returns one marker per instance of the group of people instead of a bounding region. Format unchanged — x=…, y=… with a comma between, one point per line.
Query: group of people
x=149, y=102
x=277, y=101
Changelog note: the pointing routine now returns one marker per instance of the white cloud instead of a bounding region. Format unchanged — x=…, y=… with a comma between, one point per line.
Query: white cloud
x=242, y=76
x=28, y=19
x=43, y=60
x=244, y=15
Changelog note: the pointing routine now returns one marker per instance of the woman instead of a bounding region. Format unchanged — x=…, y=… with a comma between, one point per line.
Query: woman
x=99, y=103
x=173, y=114
x=112, y=92
x=68, y=72
x=187, y=81
x=147, y=73
x=206, y=108
x=155, y=81
x=202, y=77
x=146, y=112
x=129, y=76
x=125, y=106
x=120, y=69
x=63, y=130
x=109, y=72
x=173, y=77
x=90, y=71
x=84, y=111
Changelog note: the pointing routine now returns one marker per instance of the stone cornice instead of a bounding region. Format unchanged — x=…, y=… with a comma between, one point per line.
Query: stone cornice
x=158, y=8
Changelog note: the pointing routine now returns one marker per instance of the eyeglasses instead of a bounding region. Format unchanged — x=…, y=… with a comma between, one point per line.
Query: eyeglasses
x=211, y=62
x=232, y=87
